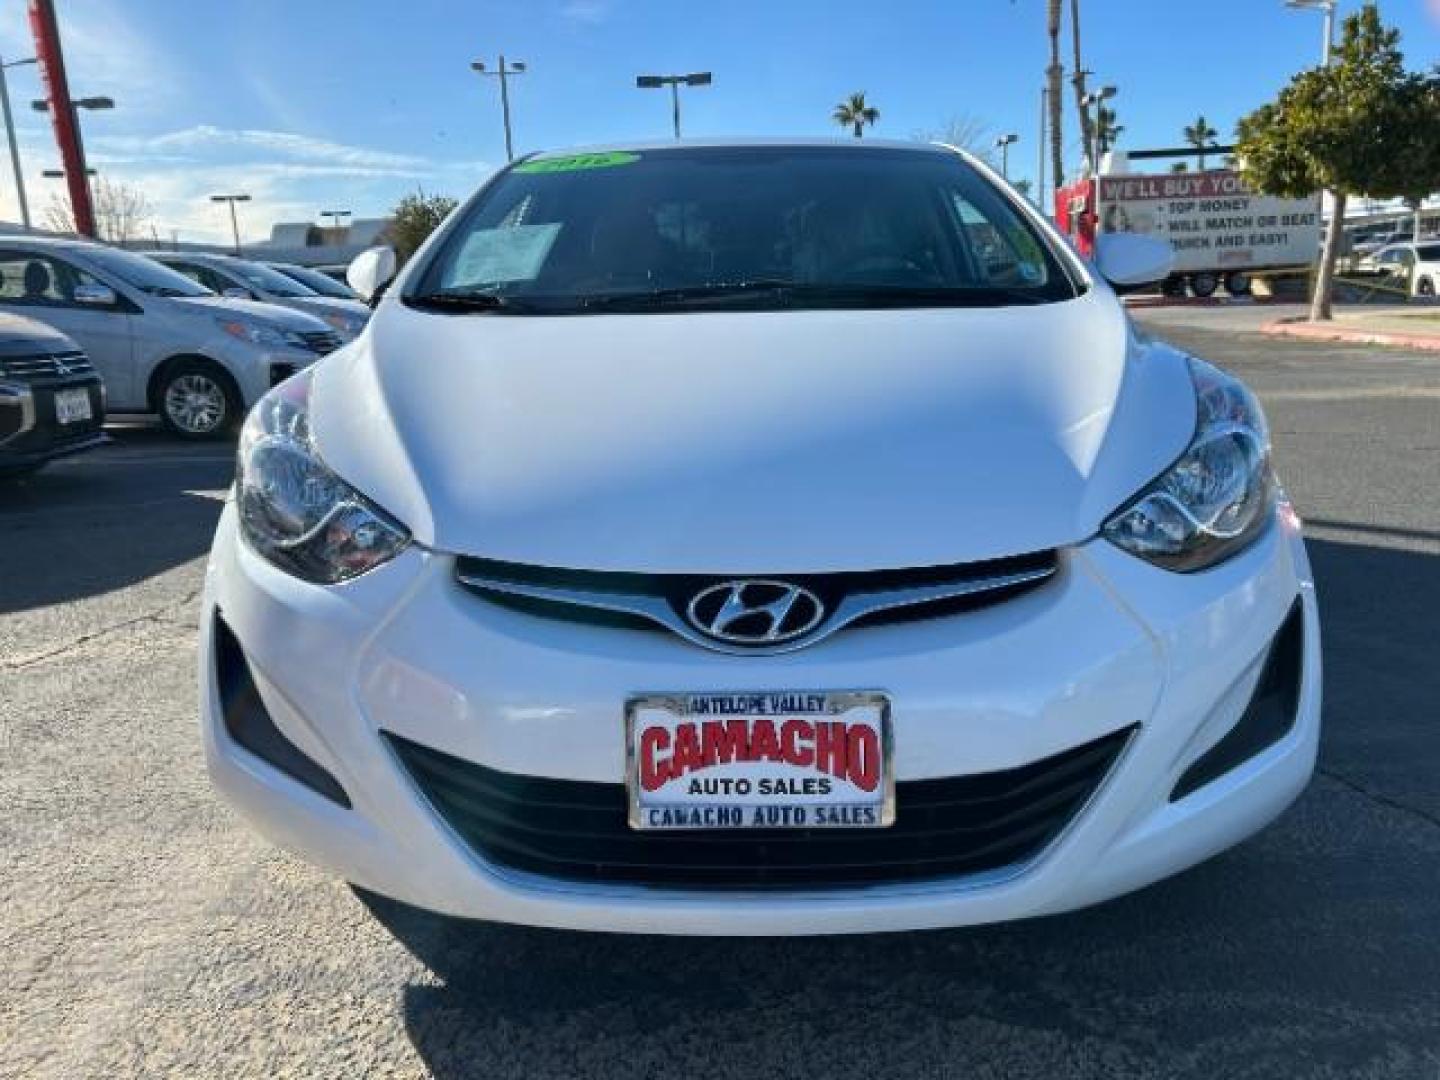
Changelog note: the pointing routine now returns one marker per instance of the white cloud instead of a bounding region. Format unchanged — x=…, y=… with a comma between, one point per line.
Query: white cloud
x=588, y=12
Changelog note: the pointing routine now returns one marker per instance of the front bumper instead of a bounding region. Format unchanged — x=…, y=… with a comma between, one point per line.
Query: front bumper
x=31, y=434
x=1109, y=643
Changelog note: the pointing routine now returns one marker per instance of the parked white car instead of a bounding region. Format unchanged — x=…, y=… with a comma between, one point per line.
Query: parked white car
x=247, y=279
x=161, y=343
x=1417, y=264
x=704, y=539
x=316, y=280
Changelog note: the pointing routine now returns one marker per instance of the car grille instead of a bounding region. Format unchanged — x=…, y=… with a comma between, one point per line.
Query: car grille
x=45, y=366
x=576, y=831
x=660, y=601
x=320, y=341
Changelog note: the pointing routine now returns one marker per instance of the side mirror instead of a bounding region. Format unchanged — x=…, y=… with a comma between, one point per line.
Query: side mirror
x=234, y=292
x=370, y=271
x=92, y=295
x=1131, y=261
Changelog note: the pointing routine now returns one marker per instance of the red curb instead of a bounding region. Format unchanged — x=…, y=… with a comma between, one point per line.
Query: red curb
x=1322, y=332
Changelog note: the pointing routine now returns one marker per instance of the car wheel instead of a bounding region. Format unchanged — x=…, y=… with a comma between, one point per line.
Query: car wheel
x=1237, y=284
x=198, y=400
x=1174, y=285
x=1204, y=285
x=1426, y=287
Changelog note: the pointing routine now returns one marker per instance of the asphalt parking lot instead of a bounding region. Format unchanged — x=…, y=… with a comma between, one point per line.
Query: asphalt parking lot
x=145, y=931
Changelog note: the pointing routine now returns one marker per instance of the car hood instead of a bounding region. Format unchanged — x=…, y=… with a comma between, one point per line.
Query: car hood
x=770, y=442
x=272, y=315
x=329, y=305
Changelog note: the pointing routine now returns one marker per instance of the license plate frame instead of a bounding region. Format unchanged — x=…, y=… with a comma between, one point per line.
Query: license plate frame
x=834, y=706
x=73, y=407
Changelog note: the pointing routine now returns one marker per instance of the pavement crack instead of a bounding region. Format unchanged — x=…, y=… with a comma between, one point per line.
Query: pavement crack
x=158, y=615
x=1382, y=800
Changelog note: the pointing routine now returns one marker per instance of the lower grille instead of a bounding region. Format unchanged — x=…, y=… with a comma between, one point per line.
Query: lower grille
x=320, y=341
x=577, y=831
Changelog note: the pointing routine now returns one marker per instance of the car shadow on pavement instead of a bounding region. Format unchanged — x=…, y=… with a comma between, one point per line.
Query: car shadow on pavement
x=1309, y=948
x=70, y=532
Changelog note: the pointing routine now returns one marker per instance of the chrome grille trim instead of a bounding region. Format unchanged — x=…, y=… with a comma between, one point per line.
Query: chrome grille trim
x=46, y=366
x=851, y=608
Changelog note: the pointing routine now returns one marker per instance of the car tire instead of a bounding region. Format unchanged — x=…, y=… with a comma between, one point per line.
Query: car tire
x=197, y=399
x=1237, y=283
x=1204, y=285
x=1173, y=286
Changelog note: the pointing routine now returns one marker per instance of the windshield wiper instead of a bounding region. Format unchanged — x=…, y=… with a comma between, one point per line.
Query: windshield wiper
x=689, y=294
x=467, y=301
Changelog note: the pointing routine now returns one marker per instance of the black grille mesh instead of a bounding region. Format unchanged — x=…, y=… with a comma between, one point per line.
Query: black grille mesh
x=577, y=831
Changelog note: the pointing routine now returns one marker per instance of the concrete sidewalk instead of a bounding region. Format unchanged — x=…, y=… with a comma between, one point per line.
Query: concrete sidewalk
x=1400, y=326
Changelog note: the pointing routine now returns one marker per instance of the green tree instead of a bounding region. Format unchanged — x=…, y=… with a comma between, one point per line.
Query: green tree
x=414, y=218
x=1362, y=126
x=1107, y=131
x=1201, y=136
x=855, y=114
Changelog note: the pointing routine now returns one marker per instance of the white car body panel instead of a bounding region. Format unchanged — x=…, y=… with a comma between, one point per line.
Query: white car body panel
x=626, y=441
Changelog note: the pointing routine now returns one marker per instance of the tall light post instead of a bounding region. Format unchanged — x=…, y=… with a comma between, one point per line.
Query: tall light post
x=335, y=216
x=99, y=103
x=1098, y=99
x=503, y=73
x=14, y=146
x=655, y=82
x=1003, y=144
x=234, y=221
x=1328, y=8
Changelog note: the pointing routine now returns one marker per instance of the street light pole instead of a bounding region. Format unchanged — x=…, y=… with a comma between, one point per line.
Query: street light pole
x=234, y=221
x=503, y=73
x=335, y=216
x=1004, y=143
x=15, y=146
x=655, y=82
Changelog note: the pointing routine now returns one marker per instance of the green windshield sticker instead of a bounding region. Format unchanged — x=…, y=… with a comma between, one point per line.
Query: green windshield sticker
x=575, y=162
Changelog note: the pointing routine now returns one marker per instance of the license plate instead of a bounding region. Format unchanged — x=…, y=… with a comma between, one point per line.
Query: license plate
x=72, y=406
x=765, y=760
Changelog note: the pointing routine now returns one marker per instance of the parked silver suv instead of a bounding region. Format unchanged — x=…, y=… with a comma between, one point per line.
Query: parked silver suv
x=162, y=343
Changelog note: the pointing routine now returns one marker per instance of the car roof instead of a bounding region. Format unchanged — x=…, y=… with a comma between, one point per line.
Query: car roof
x=64, y=243
x=671, y=145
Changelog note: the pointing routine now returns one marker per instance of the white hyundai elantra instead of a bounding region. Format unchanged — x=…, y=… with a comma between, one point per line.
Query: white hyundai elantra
x=757, y=538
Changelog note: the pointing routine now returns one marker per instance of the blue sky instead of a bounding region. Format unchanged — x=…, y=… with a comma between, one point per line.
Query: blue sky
x=311, y=105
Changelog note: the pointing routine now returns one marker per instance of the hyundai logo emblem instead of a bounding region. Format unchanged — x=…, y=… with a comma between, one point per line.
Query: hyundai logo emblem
x=755, y=612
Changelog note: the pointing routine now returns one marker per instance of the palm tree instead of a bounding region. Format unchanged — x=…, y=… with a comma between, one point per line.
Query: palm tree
x=1052, y=79
x=1201, y=136
x=855, y=114
x=1107, y=131
x=1077, y=80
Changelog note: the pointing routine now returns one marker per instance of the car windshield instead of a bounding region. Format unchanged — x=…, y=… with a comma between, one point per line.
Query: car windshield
x=263, y=278
x=144, y=274
x=711, y=227
x=323, y=284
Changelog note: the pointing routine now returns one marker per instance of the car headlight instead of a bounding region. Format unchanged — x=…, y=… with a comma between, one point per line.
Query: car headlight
x=345, y=325
x=293, y=510
x=259, y=334
x=1218, y=497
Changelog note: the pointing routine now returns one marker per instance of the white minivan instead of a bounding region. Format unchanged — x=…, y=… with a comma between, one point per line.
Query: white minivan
x=162, y=343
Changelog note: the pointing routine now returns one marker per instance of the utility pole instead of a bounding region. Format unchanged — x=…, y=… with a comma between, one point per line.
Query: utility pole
x=503, y=73
x=234, y=221
x=1044, y=116
x=1003, y=144
x=655, y=82
x=14, y=146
